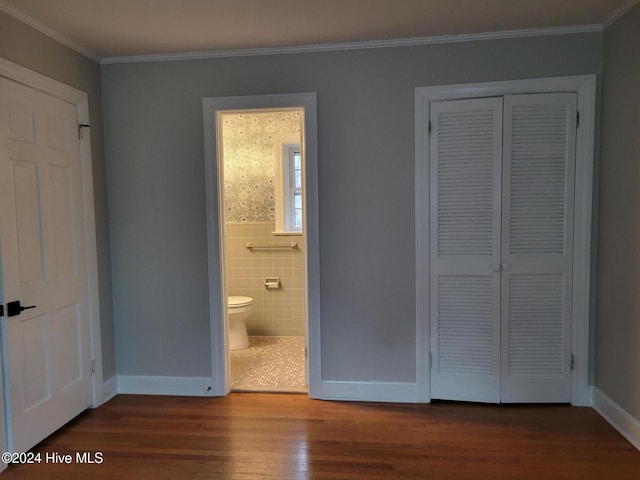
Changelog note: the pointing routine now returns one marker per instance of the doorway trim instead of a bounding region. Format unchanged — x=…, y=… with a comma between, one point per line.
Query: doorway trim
x=80, y=99
x=217, y=304
x=585, y=87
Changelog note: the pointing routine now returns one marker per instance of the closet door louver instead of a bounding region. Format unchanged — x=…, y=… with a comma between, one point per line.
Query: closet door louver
x=537, y=223
x=465, y=189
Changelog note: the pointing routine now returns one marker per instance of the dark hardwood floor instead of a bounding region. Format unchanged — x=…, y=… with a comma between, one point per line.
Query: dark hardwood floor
x=277, y=436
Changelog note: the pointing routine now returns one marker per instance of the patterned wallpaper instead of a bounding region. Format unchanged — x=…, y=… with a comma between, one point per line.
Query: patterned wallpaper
x=248, y=141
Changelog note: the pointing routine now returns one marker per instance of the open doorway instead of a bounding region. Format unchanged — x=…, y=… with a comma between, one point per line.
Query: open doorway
x=261, y=197
x=261, y=166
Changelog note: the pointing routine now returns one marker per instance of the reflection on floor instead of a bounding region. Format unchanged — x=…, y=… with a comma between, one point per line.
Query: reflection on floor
x=270, y=364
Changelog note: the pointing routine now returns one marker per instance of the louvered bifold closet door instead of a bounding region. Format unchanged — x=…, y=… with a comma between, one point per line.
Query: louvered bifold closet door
x=465, y=185
x=537, y=221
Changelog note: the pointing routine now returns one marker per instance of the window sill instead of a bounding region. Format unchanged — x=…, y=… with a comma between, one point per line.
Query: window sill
x=286, y=234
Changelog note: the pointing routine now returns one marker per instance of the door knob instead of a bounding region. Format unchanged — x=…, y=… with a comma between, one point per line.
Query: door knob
x=506, y=266
x=14, y=308
x=495, y=267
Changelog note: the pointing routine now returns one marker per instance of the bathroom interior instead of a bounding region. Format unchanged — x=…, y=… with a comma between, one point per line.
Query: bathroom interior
x=264, y=249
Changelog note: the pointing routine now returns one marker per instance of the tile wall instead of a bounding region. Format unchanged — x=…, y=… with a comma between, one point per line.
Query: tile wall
x=275, y=312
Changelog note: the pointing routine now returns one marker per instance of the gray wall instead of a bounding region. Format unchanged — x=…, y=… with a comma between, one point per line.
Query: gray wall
x=25, y=46
x=153, y=127
x=618, y=299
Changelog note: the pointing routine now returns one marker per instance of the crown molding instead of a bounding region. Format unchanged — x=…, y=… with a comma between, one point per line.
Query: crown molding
x=619, y=12
x=332, y=47
x=42, y=28
x=329, y=47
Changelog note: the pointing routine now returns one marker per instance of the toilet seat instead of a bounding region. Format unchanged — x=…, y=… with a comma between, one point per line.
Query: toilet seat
x=239, y=301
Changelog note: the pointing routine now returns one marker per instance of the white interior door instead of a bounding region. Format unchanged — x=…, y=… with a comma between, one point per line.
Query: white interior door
x=46, y=349
x=537, y=246
x=466, y=155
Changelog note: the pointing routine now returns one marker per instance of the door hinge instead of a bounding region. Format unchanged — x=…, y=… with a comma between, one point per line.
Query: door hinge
x=572, y=362
x=430, y=360
x=305, y=352
x=80, y=127
x=577, y=119
x=429, y=127
x=93, y=366
x=1, y=310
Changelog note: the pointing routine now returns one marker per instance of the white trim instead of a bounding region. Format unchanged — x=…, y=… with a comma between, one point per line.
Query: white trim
x=590, y=393
x=585, y=86
x=220, y=364
x=217, y=297
x=288, y=207
x=42, y=83
x=627, y=425
x=583, y=217
x=397, y=392
x=48, y=31
x=422, y=248
x=110, y=388
x=160, y=385
x=333, y=47
x=619, y=12
x=80, y=99
x=281, y=144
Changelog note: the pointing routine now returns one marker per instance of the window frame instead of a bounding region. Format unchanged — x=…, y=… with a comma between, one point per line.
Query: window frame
x=286, y=145
x=290, y=189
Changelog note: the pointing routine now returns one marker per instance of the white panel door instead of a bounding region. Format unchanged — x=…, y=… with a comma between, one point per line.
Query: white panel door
x=465, y=189
x=537, y=253
x=46, y=348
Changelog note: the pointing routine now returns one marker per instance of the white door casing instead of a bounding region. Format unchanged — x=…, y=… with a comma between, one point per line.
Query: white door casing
x=217, y=295
x=48, y=256
x=584, y=86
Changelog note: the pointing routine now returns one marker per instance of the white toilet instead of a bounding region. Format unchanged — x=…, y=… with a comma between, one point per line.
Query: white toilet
x=239, y=310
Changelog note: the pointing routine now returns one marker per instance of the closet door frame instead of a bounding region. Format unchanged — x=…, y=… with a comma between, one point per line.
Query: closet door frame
x=585, y=87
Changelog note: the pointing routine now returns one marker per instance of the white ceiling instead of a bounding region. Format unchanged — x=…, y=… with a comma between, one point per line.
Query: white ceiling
x=117, y=28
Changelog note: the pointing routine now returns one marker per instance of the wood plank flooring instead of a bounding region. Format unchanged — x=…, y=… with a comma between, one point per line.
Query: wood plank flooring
x=287, y=436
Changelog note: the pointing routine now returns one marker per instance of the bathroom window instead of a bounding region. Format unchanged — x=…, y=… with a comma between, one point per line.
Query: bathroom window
x=293, y=189
x=289, y=183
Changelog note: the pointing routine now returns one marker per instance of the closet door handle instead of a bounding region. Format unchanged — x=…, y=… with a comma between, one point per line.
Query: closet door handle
x=495, y=267
x=506, y=266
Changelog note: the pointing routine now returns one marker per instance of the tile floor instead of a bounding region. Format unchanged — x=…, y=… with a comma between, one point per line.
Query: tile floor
x=270, y=364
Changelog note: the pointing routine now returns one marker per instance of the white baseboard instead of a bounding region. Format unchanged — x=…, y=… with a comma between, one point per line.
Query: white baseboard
x=619, y=418
x=371, y=391
x=158, y=385
x=109, y=389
